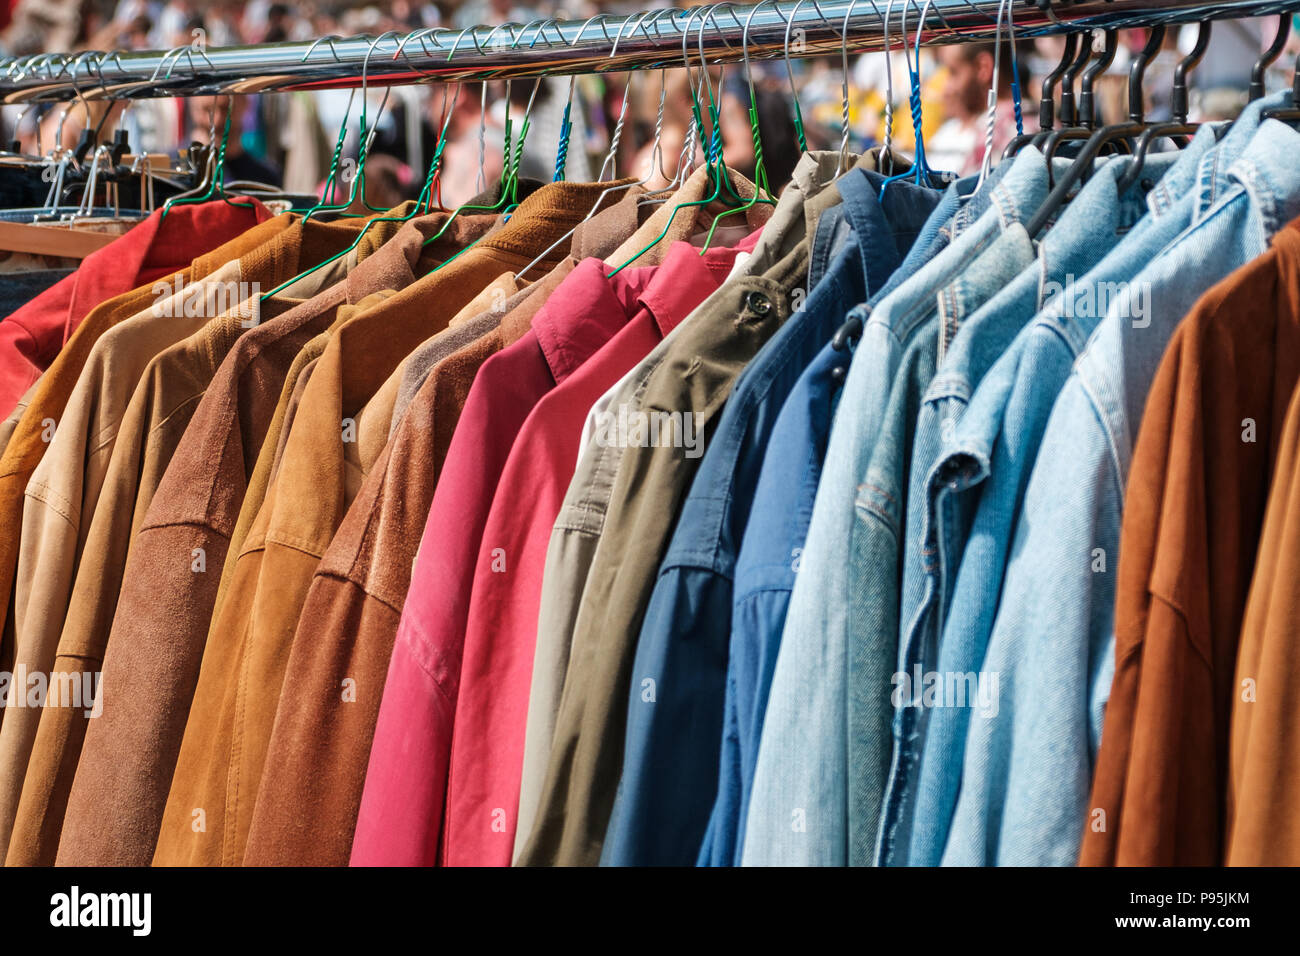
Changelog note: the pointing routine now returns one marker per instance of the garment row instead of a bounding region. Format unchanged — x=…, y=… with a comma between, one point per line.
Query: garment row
x=561, y=538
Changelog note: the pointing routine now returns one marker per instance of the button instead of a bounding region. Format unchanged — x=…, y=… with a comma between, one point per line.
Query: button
x=758, y=303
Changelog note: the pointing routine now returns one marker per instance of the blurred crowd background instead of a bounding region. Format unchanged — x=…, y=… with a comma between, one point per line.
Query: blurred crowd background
x=287, y=139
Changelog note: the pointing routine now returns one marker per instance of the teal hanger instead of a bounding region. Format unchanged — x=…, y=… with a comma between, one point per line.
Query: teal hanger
x=330, y=188
x=331, y=181
x=510, y=180
x=509, y=192
x=216, y=183
x=914, y=98
x=566, y=129
x=607, y=167
x=509, y=199
x=789, y=70
x=715, y=103
x=365, y=137
x=359, y=183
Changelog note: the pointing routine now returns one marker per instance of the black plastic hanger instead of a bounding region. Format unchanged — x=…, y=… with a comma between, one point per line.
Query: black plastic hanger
x=1087, y=120
x=1178, y=125
x=1068, y=112
x=1116, y=134
x=1287, y=114
x=1269, y=56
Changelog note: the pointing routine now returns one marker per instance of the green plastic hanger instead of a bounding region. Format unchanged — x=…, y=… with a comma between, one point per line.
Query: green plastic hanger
x=713, y=154
x=365, y=137
x=421, y=202
x=762, y=192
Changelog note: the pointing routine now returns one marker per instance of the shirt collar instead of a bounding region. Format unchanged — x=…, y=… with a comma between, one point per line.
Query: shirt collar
x=393, y=265
x=686, y=279
x=582, y=314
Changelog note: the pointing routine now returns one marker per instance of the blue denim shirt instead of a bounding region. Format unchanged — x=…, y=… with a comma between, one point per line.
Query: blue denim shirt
x=1026, y=774
x=810, y=760
x=956, y=542
x=670, y=764
x=939, y=516
x=771, y=546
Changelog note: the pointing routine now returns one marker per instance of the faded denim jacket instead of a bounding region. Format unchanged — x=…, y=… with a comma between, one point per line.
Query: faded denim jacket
x=1026, y=774
x=942, y=505
x=817, y=773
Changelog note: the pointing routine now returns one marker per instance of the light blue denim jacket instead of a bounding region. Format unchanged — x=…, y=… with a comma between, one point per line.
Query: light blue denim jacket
x=941, y=508
x=1027, y=773
x=809, y=760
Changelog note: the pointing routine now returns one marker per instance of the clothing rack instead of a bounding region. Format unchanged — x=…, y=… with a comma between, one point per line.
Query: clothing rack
x=647, y=40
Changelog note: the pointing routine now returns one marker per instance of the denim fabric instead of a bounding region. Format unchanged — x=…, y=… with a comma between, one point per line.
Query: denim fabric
x=670, y=758
x=19, y=288
x=772, y=543
x=815, y=776
x=895, y=837
x=939, y=516
x=1026, y=774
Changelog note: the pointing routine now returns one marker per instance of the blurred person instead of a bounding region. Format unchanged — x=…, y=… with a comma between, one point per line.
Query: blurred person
x=222, y=21
x=136, y=36
x=207, y=115
x=278, y=22
x=958, y=145
x=128, y=10
x=323, y=23
x=174, y=25
x=871, y=87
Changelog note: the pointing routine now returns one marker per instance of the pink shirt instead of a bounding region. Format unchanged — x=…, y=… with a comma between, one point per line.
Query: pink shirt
x=491, y=712
x=448, y=747
x=402, y=807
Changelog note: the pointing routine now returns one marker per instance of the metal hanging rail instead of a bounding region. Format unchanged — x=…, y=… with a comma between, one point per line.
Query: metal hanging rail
x=603, y=43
